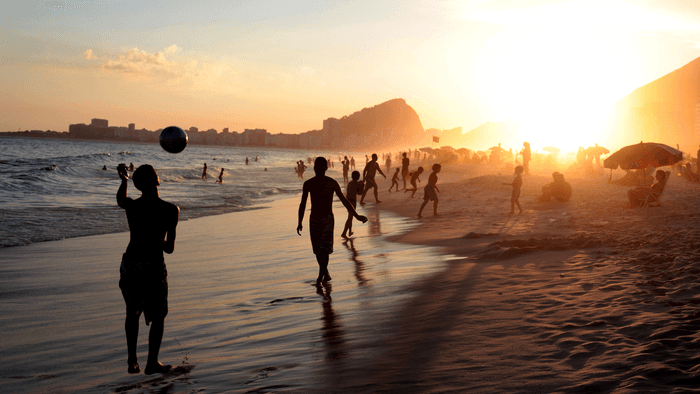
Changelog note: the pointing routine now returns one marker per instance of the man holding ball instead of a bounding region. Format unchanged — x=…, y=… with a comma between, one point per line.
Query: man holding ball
x=143, y=276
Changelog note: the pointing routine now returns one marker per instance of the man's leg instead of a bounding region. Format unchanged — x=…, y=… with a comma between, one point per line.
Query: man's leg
x=131, y=326
x=155, y=337
x=376, y=193
x=323, y=275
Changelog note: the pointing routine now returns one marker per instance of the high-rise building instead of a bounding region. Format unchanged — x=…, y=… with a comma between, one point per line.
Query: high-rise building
x=99, y=122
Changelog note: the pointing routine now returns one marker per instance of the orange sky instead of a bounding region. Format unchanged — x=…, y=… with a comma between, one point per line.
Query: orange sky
x=286, y=67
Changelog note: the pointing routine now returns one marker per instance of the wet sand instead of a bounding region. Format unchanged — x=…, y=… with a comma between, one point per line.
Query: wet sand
x=584, y=296
x=244, y=314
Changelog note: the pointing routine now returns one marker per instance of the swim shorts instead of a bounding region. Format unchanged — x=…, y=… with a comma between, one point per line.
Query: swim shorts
x=144, y=286
x=321, y=231
x=369, y=183
x=429, y=193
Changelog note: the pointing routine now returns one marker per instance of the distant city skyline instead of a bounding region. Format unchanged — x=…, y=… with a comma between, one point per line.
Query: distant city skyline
x=286, y=66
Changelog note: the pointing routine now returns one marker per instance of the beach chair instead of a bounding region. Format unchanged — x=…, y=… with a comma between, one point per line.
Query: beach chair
x=652, y=200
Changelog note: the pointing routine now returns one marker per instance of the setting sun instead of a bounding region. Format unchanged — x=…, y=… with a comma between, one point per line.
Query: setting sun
x=557, y=84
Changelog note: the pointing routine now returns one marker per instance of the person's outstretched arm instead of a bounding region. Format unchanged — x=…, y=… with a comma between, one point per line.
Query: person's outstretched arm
x=380, y=171
x=302, y=208
x=347, y=204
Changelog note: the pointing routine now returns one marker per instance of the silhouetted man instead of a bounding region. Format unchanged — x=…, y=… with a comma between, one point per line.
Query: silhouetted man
x=143, y=276
x=405, y=162
x=368, y=177
x=321, y=220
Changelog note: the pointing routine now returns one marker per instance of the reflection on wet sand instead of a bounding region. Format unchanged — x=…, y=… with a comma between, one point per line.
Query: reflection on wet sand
x=375, y=228
x=359, y=265
x=333, y=336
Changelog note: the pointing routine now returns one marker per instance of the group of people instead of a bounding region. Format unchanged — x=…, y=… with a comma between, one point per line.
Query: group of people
x=220, y=178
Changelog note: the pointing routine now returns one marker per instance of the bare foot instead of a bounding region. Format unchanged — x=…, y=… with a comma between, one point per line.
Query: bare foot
x=377, y=202
x=157, y=368
x=133, y=367
x=344, y=236
x=419, y=216
x=350, y=233
x=512, y=212
x=362, y=203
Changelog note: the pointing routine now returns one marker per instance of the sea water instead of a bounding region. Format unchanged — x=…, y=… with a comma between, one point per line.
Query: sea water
x=55, y=189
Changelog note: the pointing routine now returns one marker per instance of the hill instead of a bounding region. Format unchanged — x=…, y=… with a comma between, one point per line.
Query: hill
x=389, y=124
x=661, y=111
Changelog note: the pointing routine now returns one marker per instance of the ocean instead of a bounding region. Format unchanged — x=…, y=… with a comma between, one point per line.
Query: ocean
x=56, y=189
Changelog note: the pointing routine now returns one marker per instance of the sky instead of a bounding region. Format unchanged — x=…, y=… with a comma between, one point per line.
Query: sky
x=286, y=66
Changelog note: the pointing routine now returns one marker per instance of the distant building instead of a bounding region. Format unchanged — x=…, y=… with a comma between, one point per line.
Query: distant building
x=255, y=137
x=99, y=123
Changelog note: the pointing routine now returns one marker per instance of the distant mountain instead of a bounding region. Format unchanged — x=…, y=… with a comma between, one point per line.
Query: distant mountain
x=661, y=111
x=389, y=124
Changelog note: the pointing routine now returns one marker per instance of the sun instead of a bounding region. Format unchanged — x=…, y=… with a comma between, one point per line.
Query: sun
x=556, y=84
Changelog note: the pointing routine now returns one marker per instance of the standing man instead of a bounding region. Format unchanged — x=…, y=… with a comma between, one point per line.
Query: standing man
x=368, y=177
x=321, y=220
x=143, y=276
x=404, y=169
x=346, y=169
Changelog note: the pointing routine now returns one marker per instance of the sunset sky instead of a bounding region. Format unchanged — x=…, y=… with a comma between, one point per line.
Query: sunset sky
x=285, y=66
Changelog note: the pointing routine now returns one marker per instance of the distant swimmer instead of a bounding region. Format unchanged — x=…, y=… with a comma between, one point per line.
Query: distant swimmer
x=395, y=179
x=104, y=168
x=256, y=158
x=430, y=192
x=143, y=275
x=355, y=188
x=388, y=163
x=204, y=171
x=352, y=162
x=246, y=161
x=131, y=167
x=368, y=176
x=517, y=184
x=221, y=177
x=321, y=220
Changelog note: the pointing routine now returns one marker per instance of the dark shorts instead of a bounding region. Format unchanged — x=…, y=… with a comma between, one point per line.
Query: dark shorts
x=369, y=183
x=321, y=231
x=144, y=288
x=429, y=193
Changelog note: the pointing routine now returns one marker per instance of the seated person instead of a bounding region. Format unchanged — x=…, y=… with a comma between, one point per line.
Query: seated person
x=631, y=178
x=638, y=195
x=560, y=189
x=688, y=173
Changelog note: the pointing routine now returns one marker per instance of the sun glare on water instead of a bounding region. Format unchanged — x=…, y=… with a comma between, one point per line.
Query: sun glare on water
x=556, y=84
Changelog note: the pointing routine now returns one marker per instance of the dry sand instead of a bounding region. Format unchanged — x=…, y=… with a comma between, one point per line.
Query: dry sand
x=585, y=296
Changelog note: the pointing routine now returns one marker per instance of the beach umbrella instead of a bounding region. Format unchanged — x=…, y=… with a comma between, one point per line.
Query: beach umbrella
x=496, y=148
x=447, y=147
x=551, y=149
x=642, y=155
x=597, y=151
x=427, y=149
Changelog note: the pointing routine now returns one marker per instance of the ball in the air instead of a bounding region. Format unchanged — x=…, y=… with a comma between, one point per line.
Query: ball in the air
x=173, y=139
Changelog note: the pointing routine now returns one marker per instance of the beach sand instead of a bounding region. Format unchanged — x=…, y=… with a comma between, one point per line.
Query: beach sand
x=584, y=296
